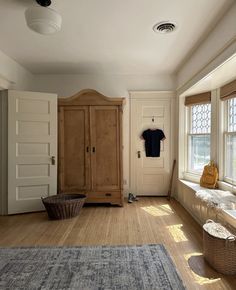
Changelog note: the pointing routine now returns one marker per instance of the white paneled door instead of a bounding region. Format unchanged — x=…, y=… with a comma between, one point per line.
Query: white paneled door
x=150, y=176
x=32, y=150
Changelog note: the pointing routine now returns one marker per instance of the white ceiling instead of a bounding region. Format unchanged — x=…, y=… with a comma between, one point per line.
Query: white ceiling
x=109, y=36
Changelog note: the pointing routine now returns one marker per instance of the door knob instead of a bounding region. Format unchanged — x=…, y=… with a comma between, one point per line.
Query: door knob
x=53, y=160
x=139, y=154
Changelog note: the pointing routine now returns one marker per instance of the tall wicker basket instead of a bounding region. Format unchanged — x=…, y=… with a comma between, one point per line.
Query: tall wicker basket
x=64, y=206
x=219, y=248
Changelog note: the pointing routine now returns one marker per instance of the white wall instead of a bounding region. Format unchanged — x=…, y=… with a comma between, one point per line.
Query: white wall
x=215, y=49
x=13, y=75
x=109, y=85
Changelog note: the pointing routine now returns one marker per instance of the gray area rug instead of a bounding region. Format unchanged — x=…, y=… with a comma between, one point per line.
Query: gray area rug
x=88, y=268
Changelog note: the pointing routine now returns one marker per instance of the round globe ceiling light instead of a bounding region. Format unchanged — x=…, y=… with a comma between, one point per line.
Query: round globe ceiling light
x=43, y=20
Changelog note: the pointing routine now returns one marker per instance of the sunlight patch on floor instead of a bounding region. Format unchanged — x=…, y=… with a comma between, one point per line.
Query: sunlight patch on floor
x=160, y=210
x=200, y=274
x=166, y=208
x=177, y=233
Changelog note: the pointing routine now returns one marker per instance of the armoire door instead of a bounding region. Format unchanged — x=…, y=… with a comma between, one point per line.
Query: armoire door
x=105, y=145
x=74, y=148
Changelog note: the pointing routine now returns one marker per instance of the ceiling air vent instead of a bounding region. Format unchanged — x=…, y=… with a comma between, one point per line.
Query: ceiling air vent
x=164, y=27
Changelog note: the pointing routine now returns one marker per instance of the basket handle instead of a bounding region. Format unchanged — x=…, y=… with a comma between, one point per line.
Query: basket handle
x=209, y=221
x=231, y=238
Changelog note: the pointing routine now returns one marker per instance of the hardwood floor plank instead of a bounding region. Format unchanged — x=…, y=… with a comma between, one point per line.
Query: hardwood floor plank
x=148, y=221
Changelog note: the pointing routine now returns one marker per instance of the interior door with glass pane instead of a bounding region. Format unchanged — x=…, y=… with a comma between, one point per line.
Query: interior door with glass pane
x=32, y=150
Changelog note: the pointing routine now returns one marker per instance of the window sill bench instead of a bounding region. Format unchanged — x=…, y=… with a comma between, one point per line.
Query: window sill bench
x=200, y=209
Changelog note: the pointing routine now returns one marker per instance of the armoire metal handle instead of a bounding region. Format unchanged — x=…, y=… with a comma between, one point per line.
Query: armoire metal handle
x=139, y=154
x=87, y=149
x=94, y=150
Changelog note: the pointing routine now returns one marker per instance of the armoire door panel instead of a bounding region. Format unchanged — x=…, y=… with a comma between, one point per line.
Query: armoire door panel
x=74, y=145
x=105, y=144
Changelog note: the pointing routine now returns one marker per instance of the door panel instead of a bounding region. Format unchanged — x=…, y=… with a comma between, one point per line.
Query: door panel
x=74, y=148
x=105, y=145
x=150, y=174
x=32, y=139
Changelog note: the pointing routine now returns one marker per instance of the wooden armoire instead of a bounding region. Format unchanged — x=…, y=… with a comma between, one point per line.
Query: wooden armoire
x=90, y=146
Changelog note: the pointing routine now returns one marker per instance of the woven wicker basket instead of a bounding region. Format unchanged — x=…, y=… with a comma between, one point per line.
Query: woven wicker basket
x=219, y=248
x=64, y=206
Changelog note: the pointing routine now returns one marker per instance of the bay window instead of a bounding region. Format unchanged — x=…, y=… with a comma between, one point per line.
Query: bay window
x=207, y=132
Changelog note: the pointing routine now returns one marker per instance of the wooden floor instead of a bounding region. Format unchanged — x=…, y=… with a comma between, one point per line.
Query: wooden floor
x=148, y=221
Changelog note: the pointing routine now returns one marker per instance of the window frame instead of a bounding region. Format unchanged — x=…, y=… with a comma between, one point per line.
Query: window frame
x=188, y=141
x=226, y=133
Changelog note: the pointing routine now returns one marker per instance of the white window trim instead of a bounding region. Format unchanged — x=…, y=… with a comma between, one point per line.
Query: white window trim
x=232, y=183
x=191, y=174
x=221, y=125
x=183, y=143
x=183, y=172
x=188, y=169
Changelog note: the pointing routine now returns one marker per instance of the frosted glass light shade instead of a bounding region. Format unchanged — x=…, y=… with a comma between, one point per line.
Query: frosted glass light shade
x=43, y=20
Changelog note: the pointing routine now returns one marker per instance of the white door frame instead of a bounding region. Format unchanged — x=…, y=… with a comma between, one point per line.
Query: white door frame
x=150, y=95
x=3, y=152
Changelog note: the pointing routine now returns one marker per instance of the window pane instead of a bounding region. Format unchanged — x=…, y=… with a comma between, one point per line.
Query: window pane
x=232, y=115
x=230, y=164
x=200, y=119
x=199, y=152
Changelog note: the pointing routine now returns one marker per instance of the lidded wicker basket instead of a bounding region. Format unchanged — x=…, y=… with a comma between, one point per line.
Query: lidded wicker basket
x=219, y=248
x=64, y=206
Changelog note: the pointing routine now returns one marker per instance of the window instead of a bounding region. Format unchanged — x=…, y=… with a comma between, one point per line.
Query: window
x=207, y=131
x=199, y=137
x=230, y=142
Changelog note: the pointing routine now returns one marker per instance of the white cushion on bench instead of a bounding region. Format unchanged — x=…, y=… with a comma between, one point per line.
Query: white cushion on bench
x=217, y=198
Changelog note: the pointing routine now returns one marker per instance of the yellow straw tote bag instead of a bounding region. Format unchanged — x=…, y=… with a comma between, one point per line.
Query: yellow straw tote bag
x=209, y=176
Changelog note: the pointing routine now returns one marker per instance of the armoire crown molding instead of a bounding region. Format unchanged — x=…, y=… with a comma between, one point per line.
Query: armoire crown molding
x=90, y=97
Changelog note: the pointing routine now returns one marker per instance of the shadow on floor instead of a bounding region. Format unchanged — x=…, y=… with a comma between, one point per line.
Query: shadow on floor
x=200, y=267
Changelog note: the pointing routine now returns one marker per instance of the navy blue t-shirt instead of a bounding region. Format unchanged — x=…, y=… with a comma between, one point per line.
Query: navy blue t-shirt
x=153, y=142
